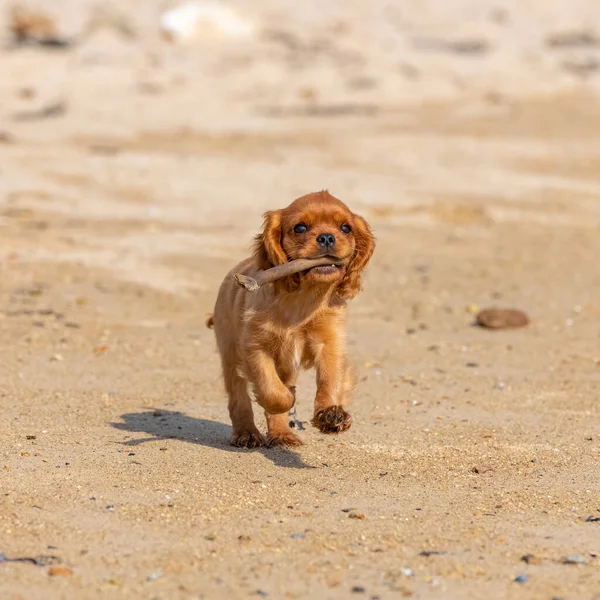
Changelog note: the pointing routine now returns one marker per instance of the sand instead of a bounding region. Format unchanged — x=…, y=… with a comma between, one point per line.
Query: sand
x=133, y=176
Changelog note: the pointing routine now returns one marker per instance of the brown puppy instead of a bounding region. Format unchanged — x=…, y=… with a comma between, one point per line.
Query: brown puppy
x=265, y=337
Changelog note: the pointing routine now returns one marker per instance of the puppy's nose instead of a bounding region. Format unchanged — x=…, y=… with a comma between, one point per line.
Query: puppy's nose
x=325, y=240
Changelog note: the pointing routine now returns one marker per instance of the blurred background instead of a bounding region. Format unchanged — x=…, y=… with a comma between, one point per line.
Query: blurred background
x=179, y=112
x=222, y=63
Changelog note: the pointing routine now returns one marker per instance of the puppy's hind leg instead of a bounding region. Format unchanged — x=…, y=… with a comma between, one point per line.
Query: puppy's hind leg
x=244, y=434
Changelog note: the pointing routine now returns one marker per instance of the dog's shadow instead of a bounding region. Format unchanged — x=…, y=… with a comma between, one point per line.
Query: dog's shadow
x=163, y=424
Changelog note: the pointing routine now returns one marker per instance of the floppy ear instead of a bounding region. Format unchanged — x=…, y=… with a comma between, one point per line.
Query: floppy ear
x=365, y=245
x=267, y=245
x=268, y=251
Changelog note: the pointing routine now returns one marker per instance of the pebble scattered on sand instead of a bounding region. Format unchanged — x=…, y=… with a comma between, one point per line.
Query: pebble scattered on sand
x=530, y=559
x=60, y=572
x=501, y=318
x=354, y=514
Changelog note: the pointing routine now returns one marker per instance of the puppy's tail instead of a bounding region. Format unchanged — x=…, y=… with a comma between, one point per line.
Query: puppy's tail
x=210, y=321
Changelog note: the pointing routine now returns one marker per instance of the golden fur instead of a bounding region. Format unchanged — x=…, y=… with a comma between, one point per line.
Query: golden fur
x=266, y=337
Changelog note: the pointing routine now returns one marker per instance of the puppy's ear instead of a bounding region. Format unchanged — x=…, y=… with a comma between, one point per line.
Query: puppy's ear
x=267, y=245
x=365, y=245
x=268, y=251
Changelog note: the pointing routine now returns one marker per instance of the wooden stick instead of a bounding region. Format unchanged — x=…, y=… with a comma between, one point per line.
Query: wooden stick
x=289, y=268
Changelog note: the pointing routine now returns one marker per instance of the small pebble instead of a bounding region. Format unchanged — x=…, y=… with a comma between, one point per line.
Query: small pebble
x=530, y=559
x=354, y=514
x=472, y=309
x=481, y=469
x=60, y=572
x=574, y=559
x=358, y=589
x=501, y=318
x=522, y=579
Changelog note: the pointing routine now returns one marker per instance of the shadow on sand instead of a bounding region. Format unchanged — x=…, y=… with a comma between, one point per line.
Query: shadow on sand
x=163, y=424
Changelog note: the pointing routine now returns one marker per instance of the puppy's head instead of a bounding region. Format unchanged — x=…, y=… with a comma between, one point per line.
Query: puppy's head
x=313, y=226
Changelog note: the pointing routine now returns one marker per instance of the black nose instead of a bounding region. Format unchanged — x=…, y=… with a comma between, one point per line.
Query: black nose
x=325, y=240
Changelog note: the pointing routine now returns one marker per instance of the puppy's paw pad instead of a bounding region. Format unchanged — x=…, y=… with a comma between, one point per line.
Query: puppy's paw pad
x=248, y=439
x=333, y=419
x=286, y=440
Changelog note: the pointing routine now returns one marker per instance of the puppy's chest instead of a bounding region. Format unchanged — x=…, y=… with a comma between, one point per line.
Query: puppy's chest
x=295, y=350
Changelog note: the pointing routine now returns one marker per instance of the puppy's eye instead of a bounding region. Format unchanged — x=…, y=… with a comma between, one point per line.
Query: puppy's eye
x=346, y=228
x=300, y=228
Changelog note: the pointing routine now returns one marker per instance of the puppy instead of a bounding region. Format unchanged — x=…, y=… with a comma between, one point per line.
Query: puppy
x=266, y=337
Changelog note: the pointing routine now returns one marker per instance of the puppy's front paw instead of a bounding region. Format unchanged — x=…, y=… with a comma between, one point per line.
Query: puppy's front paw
x=248, y=439
x=333, y=419
x=285, y=439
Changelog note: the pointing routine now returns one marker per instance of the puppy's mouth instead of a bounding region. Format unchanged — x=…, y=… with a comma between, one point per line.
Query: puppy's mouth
x=337, y=264
x=326, y=269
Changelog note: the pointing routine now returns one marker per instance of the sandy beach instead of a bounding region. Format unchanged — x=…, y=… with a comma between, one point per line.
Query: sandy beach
x=134, y=172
